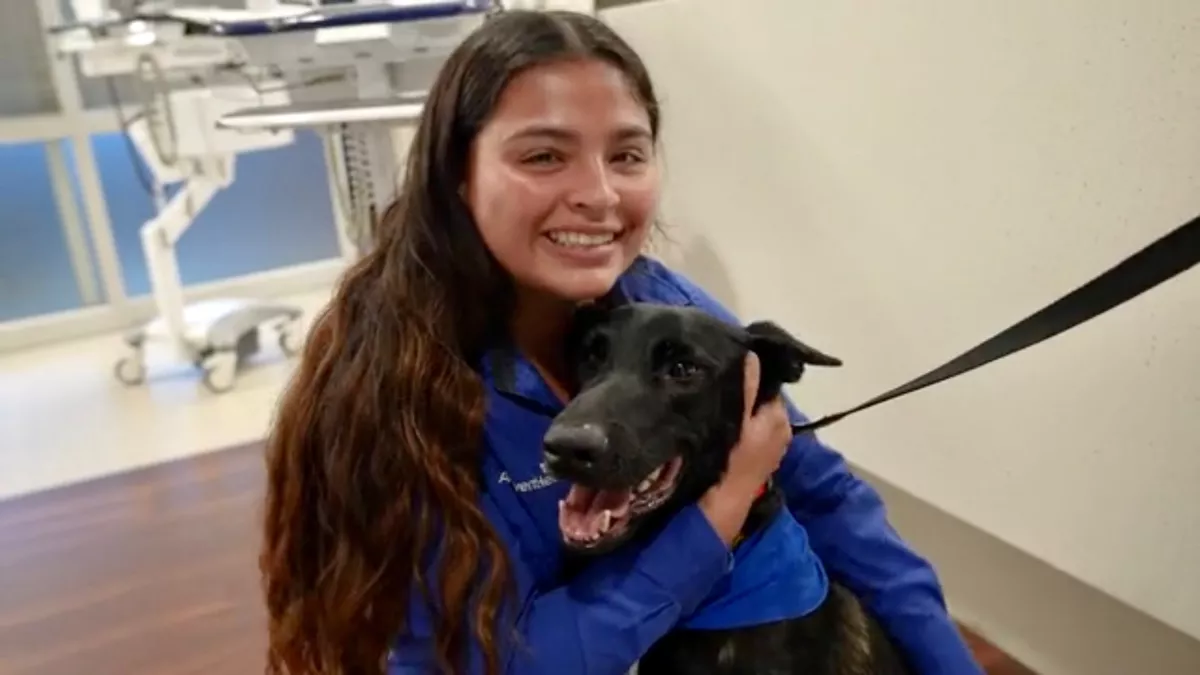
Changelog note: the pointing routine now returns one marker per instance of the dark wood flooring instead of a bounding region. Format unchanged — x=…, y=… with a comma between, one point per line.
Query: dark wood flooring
x=153, y=573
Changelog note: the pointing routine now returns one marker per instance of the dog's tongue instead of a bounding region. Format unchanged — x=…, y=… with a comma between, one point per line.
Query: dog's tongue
x=583, y=512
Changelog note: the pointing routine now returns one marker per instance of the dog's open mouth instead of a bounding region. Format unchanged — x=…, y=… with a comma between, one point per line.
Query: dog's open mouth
x=589, y=517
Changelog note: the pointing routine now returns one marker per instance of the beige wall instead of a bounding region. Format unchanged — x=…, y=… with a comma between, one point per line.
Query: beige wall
x=896, y=181
x=1054, y=623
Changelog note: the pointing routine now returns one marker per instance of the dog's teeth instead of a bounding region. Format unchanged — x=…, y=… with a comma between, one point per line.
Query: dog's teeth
x=606, y=521
x=649, y=480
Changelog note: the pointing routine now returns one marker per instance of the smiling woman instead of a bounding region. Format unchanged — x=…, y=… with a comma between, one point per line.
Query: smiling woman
x=411, y=526
x=562, y=184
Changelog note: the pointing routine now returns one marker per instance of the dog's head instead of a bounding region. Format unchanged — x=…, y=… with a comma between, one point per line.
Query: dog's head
x=658, y=408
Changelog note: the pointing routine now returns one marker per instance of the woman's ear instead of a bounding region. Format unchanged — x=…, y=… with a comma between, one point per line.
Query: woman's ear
x=782, y=356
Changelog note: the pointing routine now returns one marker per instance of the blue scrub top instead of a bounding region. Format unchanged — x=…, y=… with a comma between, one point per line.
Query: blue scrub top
x=608, y=616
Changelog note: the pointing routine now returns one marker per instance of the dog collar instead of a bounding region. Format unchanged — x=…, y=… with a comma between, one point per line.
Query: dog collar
x=762, y=490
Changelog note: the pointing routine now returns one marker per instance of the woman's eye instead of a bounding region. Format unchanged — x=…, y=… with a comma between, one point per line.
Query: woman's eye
x=540, y=158
x=682, y=370
x=629, y=157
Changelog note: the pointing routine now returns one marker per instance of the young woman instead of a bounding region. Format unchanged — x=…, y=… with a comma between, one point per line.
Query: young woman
x=409, y=526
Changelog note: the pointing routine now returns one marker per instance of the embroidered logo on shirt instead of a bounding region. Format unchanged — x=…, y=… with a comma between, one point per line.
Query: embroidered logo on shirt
x=536, y=483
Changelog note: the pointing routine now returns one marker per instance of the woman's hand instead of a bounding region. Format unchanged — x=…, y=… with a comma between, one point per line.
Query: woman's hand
x=756, y=456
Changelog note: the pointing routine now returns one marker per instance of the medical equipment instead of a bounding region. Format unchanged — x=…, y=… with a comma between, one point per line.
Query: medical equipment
x=215, y=83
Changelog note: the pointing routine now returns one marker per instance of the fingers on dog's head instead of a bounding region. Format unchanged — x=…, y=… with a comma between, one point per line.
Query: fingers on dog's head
x=752, y=379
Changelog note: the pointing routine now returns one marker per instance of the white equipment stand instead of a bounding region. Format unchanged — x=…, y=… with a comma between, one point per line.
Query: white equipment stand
x=394, y=50
x=216, y=336
x=193, y=127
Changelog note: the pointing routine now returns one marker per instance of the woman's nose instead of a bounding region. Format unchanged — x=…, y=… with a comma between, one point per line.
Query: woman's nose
x=594, y=192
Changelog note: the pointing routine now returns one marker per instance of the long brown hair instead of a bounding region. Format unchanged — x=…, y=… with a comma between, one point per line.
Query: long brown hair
x=374, y=455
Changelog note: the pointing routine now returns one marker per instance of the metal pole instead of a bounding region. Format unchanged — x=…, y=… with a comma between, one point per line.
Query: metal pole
x=72, y=223
x=70, y=101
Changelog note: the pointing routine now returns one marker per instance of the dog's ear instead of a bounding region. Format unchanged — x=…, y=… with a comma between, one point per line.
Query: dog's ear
x=782, y=357
x=583, y=320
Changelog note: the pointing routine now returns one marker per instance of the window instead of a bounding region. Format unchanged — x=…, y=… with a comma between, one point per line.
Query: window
x=44, y=266
x=277, y=213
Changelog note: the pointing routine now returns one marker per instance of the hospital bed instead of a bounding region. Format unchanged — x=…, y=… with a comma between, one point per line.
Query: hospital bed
x=215, y=83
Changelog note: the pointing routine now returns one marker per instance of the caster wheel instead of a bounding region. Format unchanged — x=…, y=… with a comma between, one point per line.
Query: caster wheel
x=130, y=370
x=289, y=339
x=220, y=372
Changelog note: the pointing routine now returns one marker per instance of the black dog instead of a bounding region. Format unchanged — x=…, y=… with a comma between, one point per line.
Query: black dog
x=658, y=408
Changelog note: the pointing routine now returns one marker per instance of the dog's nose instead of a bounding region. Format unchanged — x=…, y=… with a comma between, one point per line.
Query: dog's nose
x=578, y=445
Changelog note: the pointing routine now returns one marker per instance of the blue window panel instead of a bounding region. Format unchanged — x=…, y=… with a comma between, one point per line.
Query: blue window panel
x=277, y=213
x=35, y=265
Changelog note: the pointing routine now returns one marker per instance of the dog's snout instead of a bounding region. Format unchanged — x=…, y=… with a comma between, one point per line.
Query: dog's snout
x=579, y=445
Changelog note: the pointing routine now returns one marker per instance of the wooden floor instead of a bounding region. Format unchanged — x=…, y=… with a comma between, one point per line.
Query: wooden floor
x=152, y=572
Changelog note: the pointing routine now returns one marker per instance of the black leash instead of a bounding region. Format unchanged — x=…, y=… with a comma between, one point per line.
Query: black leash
x=1168, y=257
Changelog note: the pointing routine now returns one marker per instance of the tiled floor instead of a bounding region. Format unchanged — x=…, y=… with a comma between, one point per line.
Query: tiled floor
x=65, y=418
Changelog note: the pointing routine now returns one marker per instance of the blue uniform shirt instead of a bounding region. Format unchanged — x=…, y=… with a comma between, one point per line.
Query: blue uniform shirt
x=775, y=576
x=608, y=616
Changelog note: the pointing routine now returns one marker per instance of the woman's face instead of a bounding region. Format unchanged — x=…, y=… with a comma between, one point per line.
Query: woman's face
x=563, y=182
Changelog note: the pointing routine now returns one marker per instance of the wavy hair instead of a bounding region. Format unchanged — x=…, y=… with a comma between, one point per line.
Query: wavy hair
x=373, y=458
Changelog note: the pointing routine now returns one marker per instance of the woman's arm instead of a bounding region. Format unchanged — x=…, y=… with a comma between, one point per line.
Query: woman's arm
x=847, y=525
x=605, y=619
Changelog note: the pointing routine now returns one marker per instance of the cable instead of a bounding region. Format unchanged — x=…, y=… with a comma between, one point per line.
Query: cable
x=139, y=167
x=157, y=90
x=239, y=70
x=341, y=181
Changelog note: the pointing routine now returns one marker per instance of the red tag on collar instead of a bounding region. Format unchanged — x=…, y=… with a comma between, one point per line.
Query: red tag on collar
x=762, y=490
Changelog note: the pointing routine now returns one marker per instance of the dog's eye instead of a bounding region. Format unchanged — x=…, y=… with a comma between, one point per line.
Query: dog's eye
x=674, y=361
x=682, y=369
